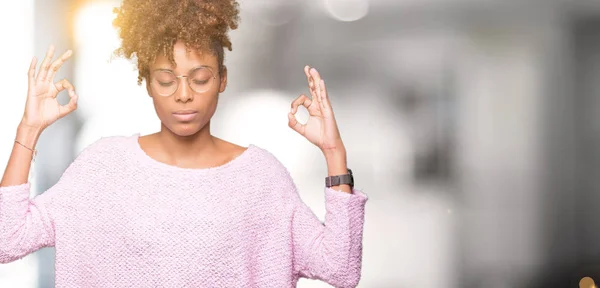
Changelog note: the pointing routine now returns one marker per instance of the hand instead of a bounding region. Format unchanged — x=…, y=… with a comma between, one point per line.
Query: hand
x=321, y=128
x=42, y=108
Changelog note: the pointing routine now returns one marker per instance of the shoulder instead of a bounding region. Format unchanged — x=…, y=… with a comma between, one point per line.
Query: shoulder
x=265, y=158
x=93, y=158
x=271, y=178
x=103, y=148
x=266, y=164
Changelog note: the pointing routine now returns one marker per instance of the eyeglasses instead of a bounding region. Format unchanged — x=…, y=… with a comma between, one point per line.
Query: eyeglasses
x=166, y=83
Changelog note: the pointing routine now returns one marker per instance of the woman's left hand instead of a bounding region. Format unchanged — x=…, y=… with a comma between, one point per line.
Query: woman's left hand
x=321, y=128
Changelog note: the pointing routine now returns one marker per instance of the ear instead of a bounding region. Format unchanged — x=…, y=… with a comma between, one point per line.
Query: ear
x=223, y=82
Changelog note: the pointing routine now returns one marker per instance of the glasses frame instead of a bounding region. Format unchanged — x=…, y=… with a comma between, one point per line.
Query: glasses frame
x=178, y=78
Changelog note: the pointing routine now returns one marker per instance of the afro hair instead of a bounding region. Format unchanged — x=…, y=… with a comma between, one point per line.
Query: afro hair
x=148, y=28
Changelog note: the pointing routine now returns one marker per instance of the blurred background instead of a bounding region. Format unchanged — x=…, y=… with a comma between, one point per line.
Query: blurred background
x=473, y=125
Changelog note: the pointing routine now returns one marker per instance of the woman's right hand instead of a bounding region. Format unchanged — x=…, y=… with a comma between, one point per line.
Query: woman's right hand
x=42, y=108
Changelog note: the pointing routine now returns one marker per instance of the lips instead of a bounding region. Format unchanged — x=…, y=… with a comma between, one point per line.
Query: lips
x=185, y=115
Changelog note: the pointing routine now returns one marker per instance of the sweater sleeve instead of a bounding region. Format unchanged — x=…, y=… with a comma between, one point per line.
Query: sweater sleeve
x=330, y=251
x=27, y=224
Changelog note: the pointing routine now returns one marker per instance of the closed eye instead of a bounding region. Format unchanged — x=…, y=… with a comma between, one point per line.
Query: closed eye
x=166, y=84
x=200, y=82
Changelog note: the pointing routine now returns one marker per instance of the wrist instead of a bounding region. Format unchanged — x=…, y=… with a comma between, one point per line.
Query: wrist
x=28, y=135
x=335, y=152
x=336, y=163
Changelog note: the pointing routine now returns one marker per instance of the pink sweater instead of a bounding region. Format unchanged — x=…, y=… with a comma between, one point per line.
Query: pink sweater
x=118, y=218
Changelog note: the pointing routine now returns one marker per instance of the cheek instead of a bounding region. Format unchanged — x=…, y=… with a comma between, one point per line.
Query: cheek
x=160, y=107
x=207, y=107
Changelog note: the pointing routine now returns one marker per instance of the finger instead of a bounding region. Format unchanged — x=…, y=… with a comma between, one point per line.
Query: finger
x=57, y=64
x=301, y=100
x=63, y=110
x=64, y=84
x=325, y=104
x=317, y=80
x=306, y=68
x=310, y=80
x=46, y=64
x=295, y=125
x=31, y=72
x=307, y=73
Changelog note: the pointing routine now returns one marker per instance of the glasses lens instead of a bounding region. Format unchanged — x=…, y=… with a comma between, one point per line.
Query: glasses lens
x=201, y=80
x=164, y=83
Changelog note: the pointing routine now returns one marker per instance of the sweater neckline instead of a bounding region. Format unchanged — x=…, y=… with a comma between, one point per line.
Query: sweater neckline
x=146, y=159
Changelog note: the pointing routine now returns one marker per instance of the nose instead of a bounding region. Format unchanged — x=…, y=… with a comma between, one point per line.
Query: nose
x=184, y=93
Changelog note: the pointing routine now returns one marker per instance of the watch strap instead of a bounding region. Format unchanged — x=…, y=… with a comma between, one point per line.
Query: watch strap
x=337, y=180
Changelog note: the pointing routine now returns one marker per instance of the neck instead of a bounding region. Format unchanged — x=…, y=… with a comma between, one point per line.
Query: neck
x=181, y=148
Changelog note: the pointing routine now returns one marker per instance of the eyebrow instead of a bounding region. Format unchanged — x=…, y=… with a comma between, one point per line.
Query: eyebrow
x=170, y=70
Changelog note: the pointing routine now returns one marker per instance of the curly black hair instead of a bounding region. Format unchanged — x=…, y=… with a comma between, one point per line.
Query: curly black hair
x=150, y=27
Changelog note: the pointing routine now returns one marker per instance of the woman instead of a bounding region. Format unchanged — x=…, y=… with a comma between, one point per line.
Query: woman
x=180, y=207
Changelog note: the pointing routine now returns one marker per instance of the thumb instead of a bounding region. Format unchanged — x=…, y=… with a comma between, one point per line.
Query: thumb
x=295, y=125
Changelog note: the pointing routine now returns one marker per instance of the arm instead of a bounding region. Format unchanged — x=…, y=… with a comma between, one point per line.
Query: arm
x=19, y=163
x=330, y=251
x=336, y=165
x=15, y=212
x=26, y=225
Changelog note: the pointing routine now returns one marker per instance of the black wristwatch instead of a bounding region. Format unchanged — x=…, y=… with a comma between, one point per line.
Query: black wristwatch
x=340, y=180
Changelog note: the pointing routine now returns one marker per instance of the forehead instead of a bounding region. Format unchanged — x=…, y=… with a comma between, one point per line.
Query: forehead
x=185, y=59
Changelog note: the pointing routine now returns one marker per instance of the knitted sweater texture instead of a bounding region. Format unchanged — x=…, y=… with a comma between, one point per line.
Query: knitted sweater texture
x=119, y=218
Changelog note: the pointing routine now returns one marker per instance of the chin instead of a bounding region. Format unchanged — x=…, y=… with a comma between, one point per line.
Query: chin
x=185, y=129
